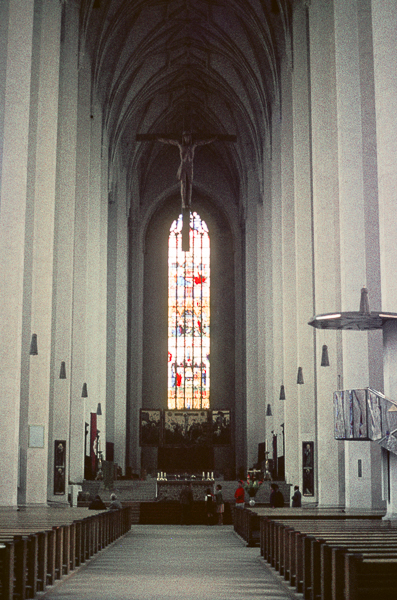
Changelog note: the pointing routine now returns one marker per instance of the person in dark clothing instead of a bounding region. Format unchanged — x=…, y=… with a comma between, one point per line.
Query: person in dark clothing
x=186, y=501
x=97, y=504
x=210, y=506
x=276, y=497
x=297, y=497
x=220, y=507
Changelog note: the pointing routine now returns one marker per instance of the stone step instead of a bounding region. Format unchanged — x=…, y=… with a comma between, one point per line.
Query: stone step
x=144, y=491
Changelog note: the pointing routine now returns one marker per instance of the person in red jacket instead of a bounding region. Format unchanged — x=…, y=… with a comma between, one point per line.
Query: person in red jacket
x=239, y=495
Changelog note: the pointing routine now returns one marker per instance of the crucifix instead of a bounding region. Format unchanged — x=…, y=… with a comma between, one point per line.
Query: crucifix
x=187, y=147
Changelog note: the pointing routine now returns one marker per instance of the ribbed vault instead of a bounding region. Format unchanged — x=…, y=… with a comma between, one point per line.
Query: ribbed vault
x=209, y=66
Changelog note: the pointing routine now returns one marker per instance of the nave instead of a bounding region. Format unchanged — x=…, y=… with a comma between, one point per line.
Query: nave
x=158, y=562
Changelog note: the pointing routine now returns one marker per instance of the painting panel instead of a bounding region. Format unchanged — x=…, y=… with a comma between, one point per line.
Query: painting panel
x=308, y=468
x=150, y=427
x=59, y=467
x=186, y=427
x=221, y=427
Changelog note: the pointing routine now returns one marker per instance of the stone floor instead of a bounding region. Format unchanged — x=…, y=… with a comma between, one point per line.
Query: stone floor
x=164, y=562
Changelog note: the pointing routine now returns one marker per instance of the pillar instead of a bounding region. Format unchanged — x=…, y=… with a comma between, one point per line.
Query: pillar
x=255, y=400
x=16, y=65
x=39, y=283
x=302, y=157
x=325, y=233
x=117, y=317
x=65, y=199
x=384, y=31
x=352, y=233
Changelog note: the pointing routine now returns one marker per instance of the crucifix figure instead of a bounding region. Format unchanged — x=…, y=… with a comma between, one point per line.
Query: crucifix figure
x=185, y=172
x=187, y=149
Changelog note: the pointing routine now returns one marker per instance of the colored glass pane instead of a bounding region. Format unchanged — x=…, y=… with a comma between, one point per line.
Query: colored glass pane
x=189, y=316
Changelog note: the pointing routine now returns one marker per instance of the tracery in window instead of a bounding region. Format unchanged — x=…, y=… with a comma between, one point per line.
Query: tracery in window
x=189, y=317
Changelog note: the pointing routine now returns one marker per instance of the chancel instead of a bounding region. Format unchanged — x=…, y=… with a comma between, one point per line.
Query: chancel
x=189, y=320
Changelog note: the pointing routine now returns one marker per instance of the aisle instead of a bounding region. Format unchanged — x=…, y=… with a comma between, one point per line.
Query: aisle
x=158, y=562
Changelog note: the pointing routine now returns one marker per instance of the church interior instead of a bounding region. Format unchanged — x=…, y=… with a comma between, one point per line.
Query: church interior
x=197, y=237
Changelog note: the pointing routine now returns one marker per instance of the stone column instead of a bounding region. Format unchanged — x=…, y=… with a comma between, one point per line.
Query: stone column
x=326, y=233
x=271, y=382
x=384, y=30
x=43, y=143
x=276, y=324
x=255, y=417
x=289, y=281
x=65, y=198
x=117, y=300
x=16, y=66
x=97, y=235
x=307, y=352
x=80, y=408
x=135, y=342
x=352, y=232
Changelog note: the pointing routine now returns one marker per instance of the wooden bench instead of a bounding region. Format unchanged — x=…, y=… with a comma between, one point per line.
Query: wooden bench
x=370, y=577
x=39, y=547
x=315, y=555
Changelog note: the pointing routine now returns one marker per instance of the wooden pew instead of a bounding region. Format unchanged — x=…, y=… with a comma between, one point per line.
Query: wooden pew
x=39, y=547
x=313, y=555
x=369, y=577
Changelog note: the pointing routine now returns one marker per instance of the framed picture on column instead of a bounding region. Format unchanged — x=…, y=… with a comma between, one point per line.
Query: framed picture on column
x=59, y=467
x=308, y=468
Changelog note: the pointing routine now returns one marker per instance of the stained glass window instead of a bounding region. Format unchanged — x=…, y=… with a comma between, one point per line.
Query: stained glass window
x=189, y=316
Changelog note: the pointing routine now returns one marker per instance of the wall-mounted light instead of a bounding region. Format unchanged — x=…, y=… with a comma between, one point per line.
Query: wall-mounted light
x=299, y=378
x=269, y=411
x=282, y=393
x=62, y=372
x=99, y=409
x=33, y=345
x=364, y=303
x=84, y=391
x=324, y=357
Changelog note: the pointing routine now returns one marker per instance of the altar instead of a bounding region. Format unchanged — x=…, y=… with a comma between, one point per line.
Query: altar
x=169, y=487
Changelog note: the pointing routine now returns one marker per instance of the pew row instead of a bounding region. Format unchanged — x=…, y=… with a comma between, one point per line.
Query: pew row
x=35, y=551
x=333, y=559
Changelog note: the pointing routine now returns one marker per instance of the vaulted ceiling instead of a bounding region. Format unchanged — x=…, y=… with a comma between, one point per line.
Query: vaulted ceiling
x=209, y=66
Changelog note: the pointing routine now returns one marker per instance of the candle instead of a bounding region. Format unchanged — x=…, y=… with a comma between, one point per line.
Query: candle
x=203, y=475
x=212, y=475
x=265, y=445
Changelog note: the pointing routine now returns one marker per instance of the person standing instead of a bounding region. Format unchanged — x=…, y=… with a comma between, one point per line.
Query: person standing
x=186, y=502
x=296, y=498
x=276, y=497
x=239, y=495
x=209, y=506
x=220, y=507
